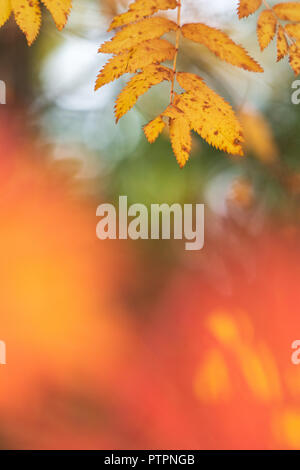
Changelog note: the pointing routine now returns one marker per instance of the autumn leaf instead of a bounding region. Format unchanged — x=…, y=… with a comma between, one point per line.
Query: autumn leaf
x=138, y=85
x=154, y=128
x=137, y=48
x=288, y=11
x=59, y=10
x=247, y=7
x=219, y=43
x=282, y=44
x=293, y=30
x=294, y=57
x=266, y=28
x=133, y=34
x=209, y=114
x=28, y=14
x=148, y=52
x=28, y=17
x=5, y=11
x=141, y=9
x=181, y=140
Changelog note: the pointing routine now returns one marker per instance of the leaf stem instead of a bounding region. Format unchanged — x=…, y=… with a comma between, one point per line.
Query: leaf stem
x=176, y=51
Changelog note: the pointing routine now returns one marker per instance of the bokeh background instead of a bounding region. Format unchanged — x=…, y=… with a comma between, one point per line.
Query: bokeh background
x=141, y=344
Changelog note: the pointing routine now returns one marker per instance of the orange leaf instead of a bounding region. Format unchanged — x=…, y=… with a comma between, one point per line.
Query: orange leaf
x=288, y=11
x=209, y=114
x=247, y=7
x=294, y=59
x=28, y=17
x=133, y=34
x=59, y=10
x=282, y=44
x=154, y=128
x=293, y=30
x=5, y=11
x=219, y=43
x=138, y=85
x=266, y=28
x=141, y=9
x=148, y=52
x=181, y=140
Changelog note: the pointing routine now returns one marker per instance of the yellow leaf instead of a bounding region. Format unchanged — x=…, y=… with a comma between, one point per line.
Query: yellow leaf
x=181, y=140
x=266, y=28
x=28, y=17
x=294, y=59
x=154, y=128
x=219, y=43
x=288, y=11
x=148, y=52
x=293, y=30
x=247, y=7
x=138, y=85
x=258, y=136
x=282, y=44
x=209, y=114
x=59, y=10
x=5, y=11
x=133, y=34
x=141, y=9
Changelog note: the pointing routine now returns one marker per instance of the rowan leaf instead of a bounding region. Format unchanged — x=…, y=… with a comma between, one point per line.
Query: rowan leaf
x=294, y=57
x=181, y=140
x=138, y=85
x=248, y=7
x=282, y=44
x=221, y=45
x=148, y=52
x=293, y=30
x=59, y=10
x=133, y=34
x=209, y=114
x=28, y=17
x=288, y=11
x=154, y=128
x=141, y=9
x=5, y=11
x=266, y=28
